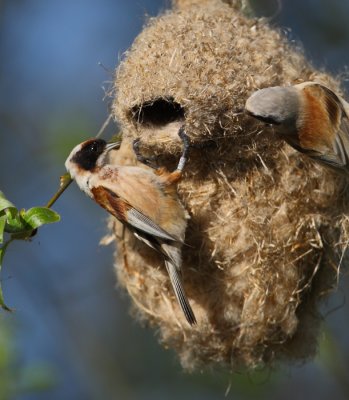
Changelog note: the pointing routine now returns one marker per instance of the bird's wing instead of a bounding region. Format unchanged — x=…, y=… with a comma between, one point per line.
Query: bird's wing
x=340, y=157
x=128, y=215
x=341, y=145
x=330, y=159
x=337, y=159
x=337, y=115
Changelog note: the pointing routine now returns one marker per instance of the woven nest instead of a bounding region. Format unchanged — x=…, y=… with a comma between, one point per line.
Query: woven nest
x=266, y=229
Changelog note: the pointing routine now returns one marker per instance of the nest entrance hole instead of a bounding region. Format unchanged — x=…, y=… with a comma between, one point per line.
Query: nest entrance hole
x=158, y=112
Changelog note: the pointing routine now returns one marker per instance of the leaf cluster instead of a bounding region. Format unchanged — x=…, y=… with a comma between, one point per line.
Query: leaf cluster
x=21, y=224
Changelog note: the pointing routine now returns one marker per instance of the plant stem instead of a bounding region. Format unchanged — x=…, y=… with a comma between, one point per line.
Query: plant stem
x=66, y=181
x=105, y=124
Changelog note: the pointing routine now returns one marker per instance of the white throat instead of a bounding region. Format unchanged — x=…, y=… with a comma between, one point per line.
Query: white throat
x=80, y=176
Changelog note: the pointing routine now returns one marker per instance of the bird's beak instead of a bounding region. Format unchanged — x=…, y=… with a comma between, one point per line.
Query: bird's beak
x=113, y=145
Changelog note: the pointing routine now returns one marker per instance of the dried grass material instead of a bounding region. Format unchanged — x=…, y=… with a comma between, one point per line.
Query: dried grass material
x=183, y=4
x=266, y=228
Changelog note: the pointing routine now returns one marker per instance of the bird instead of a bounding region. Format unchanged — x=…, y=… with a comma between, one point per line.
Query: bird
x=145, y=200
x=310, y=117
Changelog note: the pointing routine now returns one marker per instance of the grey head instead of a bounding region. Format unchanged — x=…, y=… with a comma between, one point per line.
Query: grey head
x=276, y=105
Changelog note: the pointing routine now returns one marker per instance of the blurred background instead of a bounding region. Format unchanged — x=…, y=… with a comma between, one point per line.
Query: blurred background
x=71, y=336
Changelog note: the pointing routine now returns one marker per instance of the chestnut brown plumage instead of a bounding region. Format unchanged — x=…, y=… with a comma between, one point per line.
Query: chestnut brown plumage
x=310, y=117
x=145, y=201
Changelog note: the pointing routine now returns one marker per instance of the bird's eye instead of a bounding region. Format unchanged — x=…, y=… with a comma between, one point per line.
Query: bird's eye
x=94, y=147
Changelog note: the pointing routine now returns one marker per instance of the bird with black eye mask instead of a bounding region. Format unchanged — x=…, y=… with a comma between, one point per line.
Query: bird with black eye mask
x=144, y=200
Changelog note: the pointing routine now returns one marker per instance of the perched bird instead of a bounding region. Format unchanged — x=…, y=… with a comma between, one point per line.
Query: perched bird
x=310, y=117
x=144, y=200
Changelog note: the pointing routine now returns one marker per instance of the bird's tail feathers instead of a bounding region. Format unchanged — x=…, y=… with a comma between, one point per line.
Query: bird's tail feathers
x=183, y=301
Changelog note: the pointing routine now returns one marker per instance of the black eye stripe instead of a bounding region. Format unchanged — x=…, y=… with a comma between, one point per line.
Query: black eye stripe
x=94, y=147
x=88, y=155
x=267, y=120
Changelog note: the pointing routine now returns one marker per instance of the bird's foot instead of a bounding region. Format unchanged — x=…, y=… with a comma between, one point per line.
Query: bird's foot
x=149, y=161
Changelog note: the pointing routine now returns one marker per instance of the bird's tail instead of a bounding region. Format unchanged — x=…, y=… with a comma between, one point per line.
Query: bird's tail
x=174, y=274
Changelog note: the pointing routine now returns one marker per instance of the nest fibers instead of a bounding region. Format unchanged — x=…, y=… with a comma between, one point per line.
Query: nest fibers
x=266, y=229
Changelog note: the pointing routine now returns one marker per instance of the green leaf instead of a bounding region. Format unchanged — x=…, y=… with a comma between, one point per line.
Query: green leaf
x=38, y=216
x=2, y=253
x=4, y=203
x=15, y=223
x=21, y=225
x=2, y=228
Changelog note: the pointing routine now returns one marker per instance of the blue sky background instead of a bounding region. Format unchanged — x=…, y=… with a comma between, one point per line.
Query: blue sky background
x=69, y=318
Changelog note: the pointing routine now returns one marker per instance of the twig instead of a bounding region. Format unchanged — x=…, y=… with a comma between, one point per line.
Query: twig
x=105, y=124
x=66, y=181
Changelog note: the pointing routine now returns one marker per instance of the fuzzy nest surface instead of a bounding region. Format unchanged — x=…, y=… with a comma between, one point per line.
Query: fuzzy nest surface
x=267, y=225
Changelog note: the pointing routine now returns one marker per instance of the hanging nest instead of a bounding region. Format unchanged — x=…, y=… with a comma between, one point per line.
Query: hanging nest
x=267, y=227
